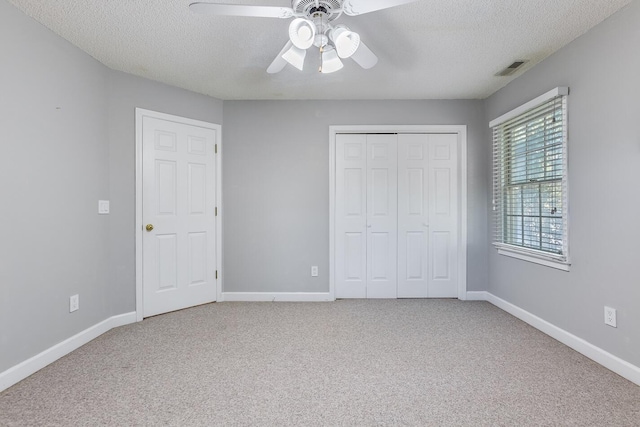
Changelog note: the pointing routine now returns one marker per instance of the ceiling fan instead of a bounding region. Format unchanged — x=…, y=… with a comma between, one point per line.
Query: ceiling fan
x=312, y=26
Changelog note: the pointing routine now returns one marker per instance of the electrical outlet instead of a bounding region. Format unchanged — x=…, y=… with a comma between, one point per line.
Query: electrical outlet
x=103, y=207
x=74, y=303
x=610, y=316
x=314, y=271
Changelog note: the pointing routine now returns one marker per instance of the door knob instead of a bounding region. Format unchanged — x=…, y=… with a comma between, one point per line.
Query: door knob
x=149, y=227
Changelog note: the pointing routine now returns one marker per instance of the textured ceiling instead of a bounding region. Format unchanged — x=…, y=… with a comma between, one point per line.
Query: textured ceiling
x=430, y=49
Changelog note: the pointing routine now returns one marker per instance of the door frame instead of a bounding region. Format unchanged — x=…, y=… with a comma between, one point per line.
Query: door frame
x=461, y=130
x=140, y=114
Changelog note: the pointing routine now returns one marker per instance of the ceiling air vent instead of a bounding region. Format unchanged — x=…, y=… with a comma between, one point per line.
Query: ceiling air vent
x=511, y=69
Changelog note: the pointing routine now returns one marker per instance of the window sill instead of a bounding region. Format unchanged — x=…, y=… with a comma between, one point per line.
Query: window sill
x=531, y=256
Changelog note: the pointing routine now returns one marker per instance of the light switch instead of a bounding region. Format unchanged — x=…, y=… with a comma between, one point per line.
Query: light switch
x=103, y=207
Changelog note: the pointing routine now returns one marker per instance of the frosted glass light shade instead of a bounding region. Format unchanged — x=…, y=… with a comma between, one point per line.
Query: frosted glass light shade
x=347, y=42
x=302, y=32
x=330, y=61
x=295, y=56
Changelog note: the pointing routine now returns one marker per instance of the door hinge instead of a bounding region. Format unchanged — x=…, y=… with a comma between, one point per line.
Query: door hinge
x=216, y=274
x=216, y=211
x=216, y=149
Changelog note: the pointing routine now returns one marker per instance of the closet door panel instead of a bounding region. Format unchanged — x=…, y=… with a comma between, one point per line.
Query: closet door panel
x=443, y=216
x=413, y=215
x=351, y=216
x=382, y=216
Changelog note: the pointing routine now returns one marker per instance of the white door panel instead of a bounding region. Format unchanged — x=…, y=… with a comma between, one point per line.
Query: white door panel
x=416, y=256
x=382, y=215
x=413, y=215
x=166, y=246
x=351, y=216
x=443, y=216
x=198, y=259
x=179, y=194
x=354, y=257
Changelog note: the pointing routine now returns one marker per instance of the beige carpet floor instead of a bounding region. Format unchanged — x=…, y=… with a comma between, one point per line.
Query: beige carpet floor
x=350, y=363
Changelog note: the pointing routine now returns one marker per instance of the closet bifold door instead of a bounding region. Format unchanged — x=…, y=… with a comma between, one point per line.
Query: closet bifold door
x=443, y=216
x=382, y=215
x=427, y=216
x=396, y=215
x=351, y=216
x=366, y=216
x=413, y=215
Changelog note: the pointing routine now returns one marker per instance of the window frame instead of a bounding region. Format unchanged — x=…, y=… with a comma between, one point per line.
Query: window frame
x=547, y=258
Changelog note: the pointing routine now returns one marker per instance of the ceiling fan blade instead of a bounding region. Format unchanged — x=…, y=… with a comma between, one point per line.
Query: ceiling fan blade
x=364, y=57
x=241, y=10
x=278, y=64
x=358, y=7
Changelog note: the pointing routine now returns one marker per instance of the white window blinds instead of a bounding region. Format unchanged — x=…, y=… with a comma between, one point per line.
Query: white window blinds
x=530, y=177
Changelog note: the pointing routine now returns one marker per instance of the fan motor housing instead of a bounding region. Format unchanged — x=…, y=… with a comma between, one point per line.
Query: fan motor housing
x=328, y=9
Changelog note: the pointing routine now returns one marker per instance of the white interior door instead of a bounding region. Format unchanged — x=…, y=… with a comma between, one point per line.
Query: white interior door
x=351, y=216
x=443, y=216
x=427, y=216
x=178, y=214
x=366, y=216
x=413, y=215
x=382, y=215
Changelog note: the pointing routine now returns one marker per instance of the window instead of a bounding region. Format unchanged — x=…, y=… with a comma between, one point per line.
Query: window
x=530, y=181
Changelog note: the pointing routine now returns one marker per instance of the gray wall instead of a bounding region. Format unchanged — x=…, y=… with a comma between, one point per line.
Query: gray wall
x=68, y=140
x=53, y=170
x=601, y=69
x=276, y=185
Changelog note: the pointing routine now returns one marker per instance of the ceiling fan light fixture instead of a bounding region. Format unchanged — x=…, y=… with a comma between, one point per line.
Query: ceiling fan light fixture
x=295, y=56
x=330, y=61
x=346, y=41
x=311, y=26
x=302, y=33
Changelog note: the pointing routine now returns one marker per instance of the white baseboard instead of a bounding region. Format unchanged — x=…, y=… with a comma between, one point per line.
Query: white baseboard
x=606, y=359
x=477, y=296
x=277, y=296
x=30, y=366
